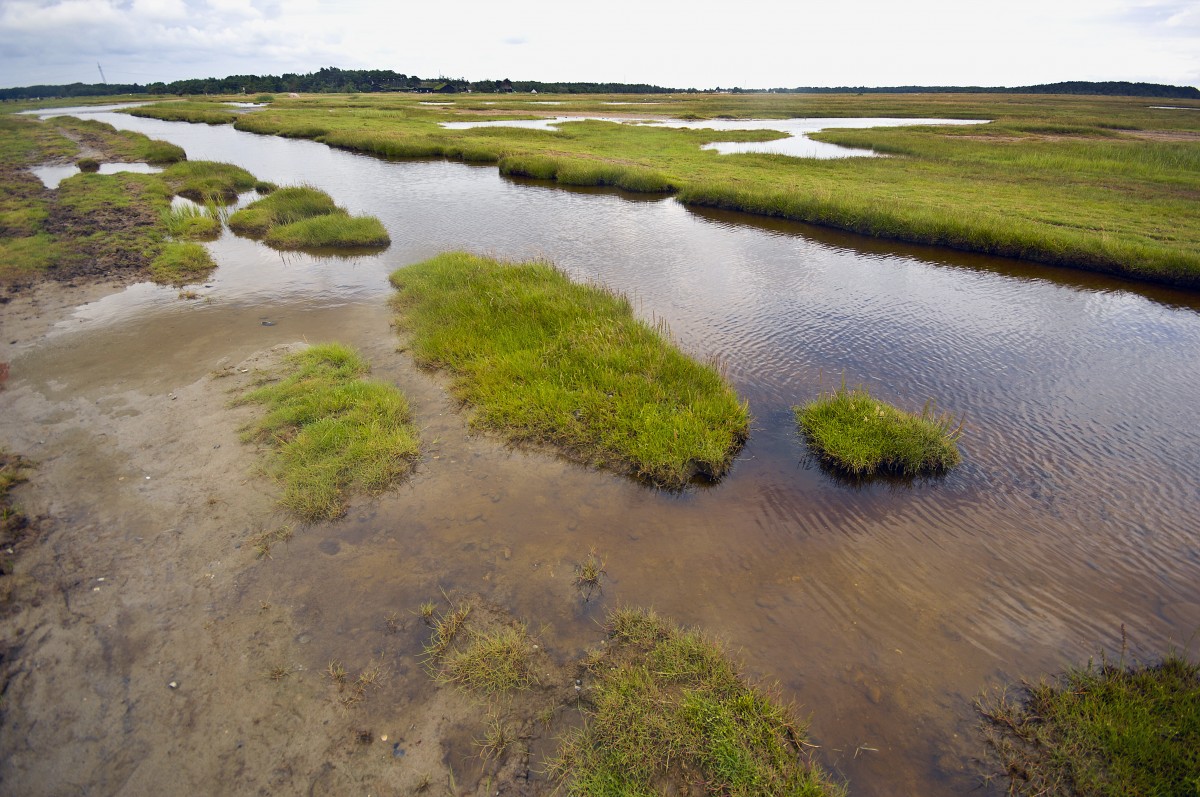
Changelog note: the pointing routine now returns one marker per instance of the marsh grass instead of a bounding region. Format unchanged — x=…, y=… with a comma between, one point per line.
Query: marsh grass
x=303, y=217
x=543, y=360
x=335, y=230
x=180, y=263
x=490, y=662
x=331, y=432
x=667, y=709
x=117, y=145
x=588, y=575
x=1106, y=729
x=208, y=181
x=195, y=112
x=190, y=222
x=860, y=435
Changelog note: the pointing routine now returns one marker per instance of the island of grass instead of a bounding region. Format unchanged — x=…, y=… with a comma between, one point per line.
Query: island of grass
x=302, y=217
x=859, y=435
x=1107, y=730
x=541, y=359
x=332, y=432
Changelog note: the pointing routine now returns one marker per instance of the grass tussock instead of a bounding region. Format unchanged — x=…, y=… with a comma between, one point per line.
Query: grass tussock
x=667, y=709
x=1108, y=730
x=860, y=435
x=180, y=263
x=336, y=230
x=332, y=432
x=302, y=217
x=208, y=181
x=541, y=359
x=490, y=662
x=190, y=222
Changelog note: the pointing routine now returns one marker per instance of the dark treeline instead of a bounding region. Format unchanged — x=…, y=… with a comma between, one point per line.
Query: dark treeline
x=323, y=81
x=1113, y=88
x=333, y=80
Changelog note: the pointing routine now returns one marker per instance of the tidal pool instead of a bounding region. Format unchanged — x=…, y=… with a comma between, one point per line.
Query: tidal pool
x=882, y=608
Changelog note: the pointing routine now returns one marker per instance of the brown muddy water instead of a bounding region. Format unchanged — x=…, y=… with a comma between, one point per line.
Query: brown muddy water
x=884, y=608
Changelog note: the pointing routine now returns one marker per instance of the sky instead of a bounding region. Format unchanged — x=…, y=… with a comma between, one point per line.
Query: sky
x=681, y=45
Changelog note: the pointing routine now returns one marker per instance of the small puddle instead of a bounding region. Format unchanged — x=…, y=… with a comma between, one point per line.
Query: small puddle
x=52, y=175
x=796, y=145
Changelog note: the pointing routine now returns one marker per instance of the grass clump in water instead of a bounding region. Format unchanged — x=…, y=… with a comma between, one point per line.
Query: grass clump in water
x=190, y=222
x=1103, y=730
x=180, y=263
x=667, y=707
x=541, y=359
x=490, y=662
x=301, y=217
x=332, y=431
x=208, y=181
x=861, y=435
x=335, y=230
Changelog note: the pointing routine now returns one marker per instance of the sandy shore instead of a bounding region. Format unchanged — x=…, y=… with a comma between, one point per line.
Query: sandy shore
x=147, y=650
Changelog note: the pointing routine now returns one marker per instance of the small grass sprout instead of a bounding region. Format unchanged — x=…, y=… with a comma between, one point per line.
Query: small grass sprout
x=588, y=575
x=492, y=662
x=496, y=740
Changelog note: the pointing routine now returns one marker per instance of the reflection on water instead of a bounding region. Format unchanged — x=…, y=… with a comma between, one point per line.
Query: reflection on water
x=796, y=143
x=884, y=608
x=52, y=175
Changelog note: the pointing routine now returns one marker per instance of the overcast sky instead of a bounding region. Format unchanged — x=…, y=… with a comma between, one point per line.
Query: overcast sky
x=693, y=44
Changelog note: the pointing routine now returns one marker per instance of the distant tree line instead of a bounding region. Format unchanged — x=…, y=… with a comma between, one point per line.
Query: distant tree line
x=1112, y=88
x=325, y=81
x=334, y=80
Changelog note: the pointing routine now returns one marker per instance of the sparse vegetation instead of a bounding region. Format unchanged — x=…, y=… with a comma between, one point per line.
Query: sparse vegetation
x=263, y=542
x=1106, y=729
x=331, y=432
x=588, y=575
x=541, y=359
x=860, y=435
x=666, y=708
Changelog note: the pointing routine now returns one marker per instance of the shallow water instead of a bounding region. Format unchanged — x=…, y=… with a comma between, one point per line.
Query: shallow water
x=52, y=175
x=883, y=609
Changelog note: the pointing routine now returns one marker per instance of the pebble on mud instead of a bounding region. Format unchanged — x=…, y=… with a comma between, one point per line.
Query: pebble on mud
x=173, y=684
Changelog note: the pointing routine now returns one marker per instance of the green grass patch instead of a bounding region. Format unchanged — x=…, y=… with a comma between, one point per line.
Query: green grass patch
x=180, y=263
x=279, y=207
x=193, y=222
x=195, y=112
x=541, y=359
x=208, y=181
x=860, y=435
x=331, y=432
x=668, y=712
x=1108, y=730
x=335, y=230
x=305, y=218
x=114, y=144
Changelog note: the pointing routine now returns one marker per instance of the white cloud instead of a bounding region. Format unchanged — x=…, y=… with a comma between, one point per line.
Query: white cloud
x=757, y=44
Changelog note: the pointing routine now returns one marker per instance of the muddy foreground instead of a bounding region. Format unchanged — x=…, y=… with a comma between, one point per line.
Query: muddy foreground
x=147, y=649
